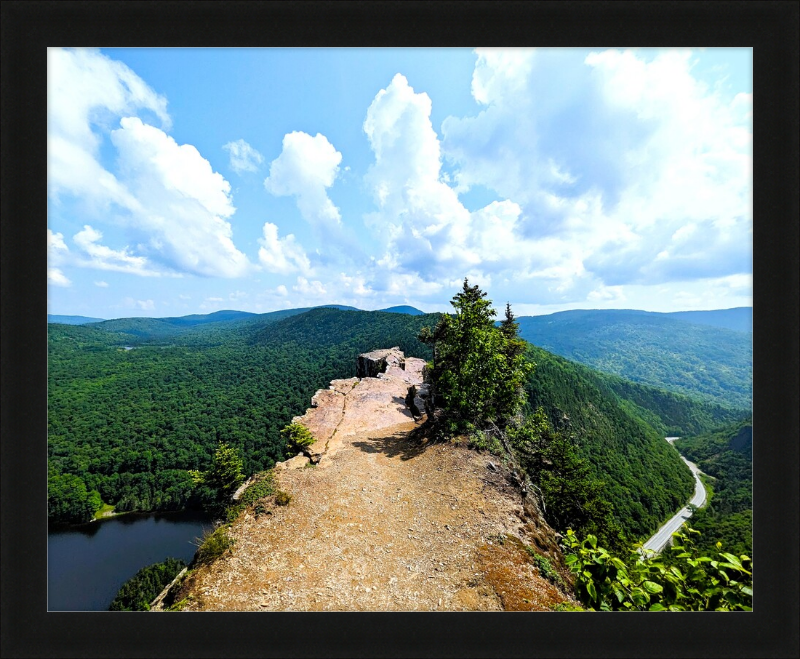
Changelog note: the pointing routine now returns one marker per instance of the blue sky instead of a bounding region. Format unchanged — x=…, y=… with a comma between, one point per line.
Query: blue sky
x=192, y=180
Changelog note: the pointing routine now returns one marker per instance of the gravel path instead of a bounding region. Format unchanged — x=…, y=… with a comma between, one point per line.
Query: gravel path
x=389, y=525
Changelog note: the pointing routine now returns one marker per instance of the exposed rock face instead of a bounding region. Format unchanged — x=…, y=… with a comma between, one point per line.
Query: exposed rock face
x=368, y=402
x=371, y=364
x=297, y=462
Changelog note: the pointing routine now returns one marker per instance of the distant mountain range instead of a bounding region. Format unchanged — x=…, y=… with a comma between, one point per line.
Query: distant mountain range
x=698, y=353
x=219, y=316
x=72, y=320
x=739, y=318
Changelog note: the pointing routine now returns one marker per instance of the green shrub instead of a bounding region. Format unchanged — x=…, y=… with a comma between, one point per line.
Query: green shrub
x=297, y=438
x=545, y=567
x=282, y=498
x=213, y=545
x=687, y=583
x=262, y=486
x=485, y=441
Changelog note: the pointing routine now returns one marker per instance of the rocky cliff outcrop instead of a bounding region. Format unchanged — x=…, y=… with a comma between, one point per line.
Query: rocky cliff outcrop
x=377, y=398
x=386, y=521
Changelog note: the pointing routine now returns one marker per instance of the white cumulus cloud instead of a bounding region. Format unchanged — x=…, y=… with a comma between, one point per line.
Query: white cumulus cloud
x=174, y=206
x=625, y=169
x=185, y=204
x=104, y=258
x=305, y=169
x=282, y=255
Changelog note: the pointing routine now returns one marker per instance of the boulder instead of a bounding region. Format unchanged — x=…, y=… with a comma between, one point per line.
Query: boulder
x=297, y=462
x=371, y=364
x=421, y=398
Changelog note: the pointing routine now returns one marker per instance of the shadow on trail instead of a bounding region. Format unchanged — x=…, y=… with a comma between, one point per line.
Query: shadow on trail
x=406, y=445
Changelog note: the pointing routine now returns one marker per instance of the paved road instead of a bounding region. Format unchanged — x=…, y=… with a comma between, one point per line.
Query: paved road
x=662, y=536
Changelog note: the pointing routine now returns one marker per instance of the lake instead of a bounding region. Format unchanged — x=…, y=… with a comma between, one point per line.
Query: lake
x=87, y=564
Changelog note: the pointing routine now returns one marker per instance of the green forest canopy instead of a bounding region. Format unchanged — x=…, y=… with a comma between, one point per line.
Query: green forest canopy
x=661, y=350
x=128, y=424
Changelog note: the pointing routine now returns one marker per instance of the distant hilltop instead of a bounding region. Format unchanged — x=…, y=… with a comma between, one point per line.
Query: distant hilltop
x=72, y=320
x=228, y=315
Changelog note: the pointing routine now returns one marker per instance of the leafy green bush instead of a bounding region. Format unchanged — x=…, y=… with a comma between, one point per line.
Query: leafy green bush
x=692, y=583
x=297, y=438
x=213, y=545
x=143, y=587
x=283, y=498
x=485, y=441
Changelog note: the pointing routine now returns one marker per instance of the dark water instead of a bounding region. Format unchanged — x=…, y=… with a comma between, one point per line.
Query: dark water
x=87, y=564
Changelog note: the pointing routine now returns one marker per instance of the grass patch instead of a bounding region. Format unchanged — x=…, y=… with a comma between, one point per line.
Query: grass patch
x=485, y=442
x=104, y=511
x=545, y=567
x=282, y=498
x=262, y=487
x=213, y=545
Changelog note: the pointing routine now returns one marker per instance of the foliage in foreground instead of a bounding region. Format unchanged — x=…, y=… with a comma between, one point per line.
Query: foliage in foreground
x=685, y=581
x=143, y=587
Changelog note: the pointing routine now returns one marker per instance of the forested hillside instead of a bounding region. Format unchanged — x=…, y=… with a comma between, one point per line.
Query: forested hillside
x=644, y=479
x=128, y=423
x=727, y=456
x=705, y=362
x=129, y=413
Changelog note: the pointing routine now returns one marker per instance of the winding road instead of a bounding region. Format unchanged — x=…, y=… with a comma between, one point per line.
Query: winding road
x=662, y=536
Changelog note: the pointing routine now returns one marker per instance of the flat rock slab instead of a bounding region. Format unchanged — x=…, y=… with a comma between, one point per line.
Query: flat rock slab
x=354, y=405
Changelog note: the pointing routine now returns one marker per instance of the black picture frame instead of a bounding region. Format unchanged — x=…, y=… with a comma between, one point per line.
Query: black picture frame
x=28, y=28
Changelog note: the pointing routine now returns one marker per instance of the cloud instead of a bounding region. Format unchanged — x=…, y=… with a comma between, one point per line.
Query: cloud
x=623, y=170
x=306, y=167
x=174, y=206
x=433, y=239
x=243, y=157
x=105, y=258
x=101, y=284
x=86, y=91
x=310, y=289
x=282, y=256
x=57, y=254
x=57, y=249
x=185, y=204
x=144, y=305
x=57, y=278
x=500, y=72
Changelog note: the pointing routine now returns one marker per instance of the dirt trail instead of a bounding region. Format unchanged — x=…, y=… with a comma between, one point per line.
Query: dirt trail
x=387, y=523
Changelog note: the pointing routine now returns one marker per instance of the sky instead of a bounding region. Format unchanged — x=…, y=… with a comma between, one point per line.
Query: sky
x=185, y=181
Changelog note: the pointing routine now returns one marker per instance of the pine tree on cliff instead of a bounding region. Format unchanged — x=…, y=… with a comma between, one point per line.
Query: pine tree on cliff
x=478, y=368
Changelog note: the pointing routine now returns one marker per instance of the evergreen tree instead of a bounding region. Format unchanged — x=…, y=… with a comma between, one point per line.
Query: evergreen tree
x=478, y=368
x=220, y=482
